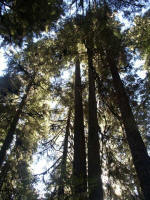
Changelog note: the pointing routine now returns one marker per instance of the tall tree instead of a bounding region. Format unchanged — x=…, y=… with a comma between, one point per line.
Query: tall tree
x=79, y=163
x=63, y=170
x=113, y=53
x=94, y=167
x=11, y=131
x=139, y=153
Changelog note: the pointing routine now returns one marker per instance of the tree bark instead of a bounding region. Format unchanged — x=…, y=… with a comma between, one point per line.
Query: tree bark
x=139, y=153
x=64, y=160
x=79, y=164
x=94, y=168
x=11, y=131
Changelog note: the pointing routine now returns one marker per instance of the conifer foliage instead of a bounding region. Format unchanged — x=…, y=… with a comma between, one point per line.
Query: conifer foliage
x=71, y=94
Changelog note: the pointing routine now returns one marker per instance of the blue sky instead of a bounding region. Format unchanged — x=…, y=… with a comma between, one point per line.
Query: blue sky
x=2, y=61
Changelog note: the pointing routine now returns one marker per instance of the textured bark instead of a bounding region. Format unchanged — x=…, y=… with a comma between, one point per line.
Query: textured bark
x=139, y=153
x=11, y=131
x=64, y=160
x=94, y=168
x=79, y=164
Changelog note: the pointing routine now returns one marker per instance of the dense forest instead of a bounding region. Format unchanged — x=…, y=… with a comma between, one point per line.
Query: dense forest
x=74, y=97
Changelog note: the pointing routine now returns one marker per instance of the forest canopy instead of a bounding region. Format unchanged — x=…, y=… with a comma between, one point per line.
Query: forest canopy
x=74, y=97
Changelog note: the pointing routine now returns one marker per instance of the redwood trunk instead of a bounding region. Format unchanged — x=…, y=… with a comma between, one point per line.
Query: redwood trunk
x=64, y=159
x=9, y=138
x=79, y=164
x=94, y=168
x=139, y=153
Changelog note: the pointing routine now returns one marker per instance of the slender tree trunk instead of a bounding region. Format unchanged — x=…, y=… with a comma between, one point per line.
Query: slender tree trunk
x=79, y=164
x=64, y=159
x=94, y=168
x=139, y=153
x=7, y=167
x=11, y=131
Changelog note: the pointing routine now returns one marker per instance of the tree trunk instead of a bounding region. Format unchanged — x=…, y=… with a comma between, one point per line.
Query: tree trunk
x=64, y=160
x=11, y=131
x=94, y=168
x=79, y=164
x=139, y=153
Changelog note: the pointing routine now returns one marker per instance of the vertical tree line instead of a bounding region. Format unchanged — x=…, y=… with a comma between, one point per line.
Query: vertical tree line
x=76, y=65
x=79, y=163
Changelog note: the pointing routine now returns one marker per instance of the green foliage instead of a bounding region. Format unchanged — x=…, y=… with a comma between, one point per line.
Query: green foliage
x=43, y=119
x=20, y=19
